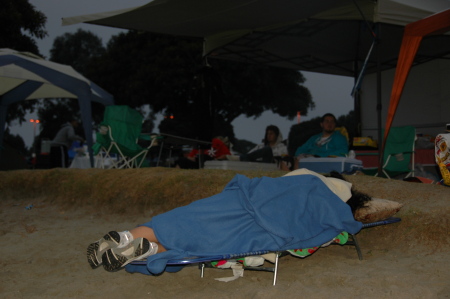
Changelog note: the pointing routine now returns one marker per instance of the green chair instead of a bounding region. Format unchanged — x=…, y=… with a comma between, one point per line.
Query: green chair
x=119, y=134
x=398, y=155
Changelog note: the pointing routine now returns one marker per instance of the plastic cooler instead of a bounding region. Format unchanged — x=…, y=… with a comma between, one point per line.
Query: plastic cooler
x=326, y=165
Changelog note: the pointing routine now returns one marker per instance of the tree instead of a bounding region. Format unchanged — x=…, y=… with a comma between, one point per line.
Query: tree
x=77, y=49
x=20, y=24
x=252, y=89
x=53, y=113
x=13, y=152
x=83, y=50
x=143, y=68
x=168, y=74
x=301, y=132
x=16, y=142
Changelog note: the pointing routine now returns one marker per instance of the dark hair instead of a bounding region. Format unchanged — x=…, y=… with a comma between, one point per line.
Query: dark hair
x=271, y=128
x=358, y=199
x=326, y=115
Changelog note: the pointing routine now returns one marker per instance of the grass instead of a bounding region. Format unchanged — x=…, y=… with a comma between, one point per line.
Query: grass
x=151, y=191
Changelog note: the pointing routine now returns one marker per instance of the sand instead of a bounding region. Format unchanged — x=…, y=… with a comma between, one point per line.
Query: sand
x=43, y=250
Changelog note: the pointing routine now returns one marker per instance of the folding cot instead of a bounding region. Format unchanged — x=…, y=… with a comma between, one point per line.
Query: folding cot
x=203, y=262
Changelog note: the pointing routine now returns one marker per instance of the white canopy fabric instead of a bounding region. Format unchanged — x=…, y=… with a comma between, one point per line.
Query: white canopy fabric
x=25, y=76
x=318, y=36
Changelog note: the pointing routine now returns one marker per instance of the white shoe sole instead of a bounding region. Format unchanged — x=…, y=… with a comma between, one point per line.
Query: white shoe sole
x=115, y=258
x=97, y=249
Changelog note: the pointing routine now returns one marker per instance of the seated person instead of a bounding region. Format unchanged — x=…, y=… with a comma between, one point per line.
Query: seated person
x=271, y=147
x=325, y=144
x=299, y=210
x=59, y=151
x=218, y=151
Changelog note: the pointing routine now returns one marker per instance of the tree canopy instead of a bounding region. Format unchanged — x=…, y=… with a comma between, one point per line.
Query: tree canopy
x=168, y=74
x=161, y=74
x=20, y=25
x=77, y=49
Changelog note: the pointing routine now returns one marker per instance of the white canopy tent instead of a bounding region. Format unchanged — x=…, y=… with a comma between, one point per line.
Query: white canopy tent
x=25, y=76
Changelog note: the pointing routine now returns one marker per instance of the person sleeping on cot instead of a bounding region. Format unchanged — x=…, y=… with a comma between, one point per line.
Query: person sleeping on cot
x=302, y=209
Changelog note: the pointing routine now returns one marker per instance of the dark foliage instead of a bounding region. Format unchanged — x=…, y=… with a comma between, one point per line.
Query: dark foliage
x=300, y=133
x=15, y=141
x=20, y=24
x=169, y=74
x=53, y=114
x=77, y=50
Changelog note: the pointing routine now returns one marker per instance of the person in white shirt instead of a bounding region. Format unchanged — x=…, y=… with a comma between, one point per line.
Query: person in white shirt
x=59, y=156
x=272, y=146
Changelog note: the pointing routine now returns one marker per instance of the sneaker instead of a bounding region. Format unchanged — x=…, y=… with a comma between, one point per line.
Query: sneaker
x=97, y=249
x=115, y=258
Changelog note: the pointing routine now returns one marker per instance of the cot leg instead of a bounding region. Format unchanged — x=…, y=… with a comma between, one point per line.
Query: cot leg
x=358, y=249
x=275, y=271
x=202, y=269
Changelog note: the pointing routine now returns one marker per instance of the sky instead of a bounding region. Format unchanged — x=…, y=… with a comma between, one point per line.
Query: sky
x=330, y=93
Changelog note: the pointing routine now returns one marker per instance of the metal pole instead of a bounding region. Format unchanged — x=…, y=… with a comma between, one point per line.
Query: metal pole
x=379, y=105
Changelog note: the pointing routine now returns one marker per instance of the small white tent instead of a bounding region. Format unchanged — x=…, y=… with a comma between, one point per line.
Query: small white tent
x=25, y=76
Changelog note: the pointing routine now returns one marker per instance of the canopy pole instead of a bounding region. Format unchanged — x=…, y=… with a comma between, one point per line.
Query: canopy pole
x=412, y=37
x=3, y=113
x=379, y=104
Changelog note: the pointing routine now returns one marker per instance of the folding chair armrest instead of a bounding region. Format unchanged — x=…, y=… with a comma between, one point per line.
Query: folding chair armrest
x=145, y=137
x=150, y=137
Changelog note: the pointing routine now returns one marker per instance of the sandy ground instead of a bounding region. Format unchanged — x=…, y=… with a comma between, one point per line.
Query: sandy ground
x=43, y=255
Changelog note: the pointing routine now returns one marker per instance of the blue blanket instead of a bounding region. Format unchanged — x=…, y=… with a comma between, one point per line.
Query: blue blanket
x=249, y=215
